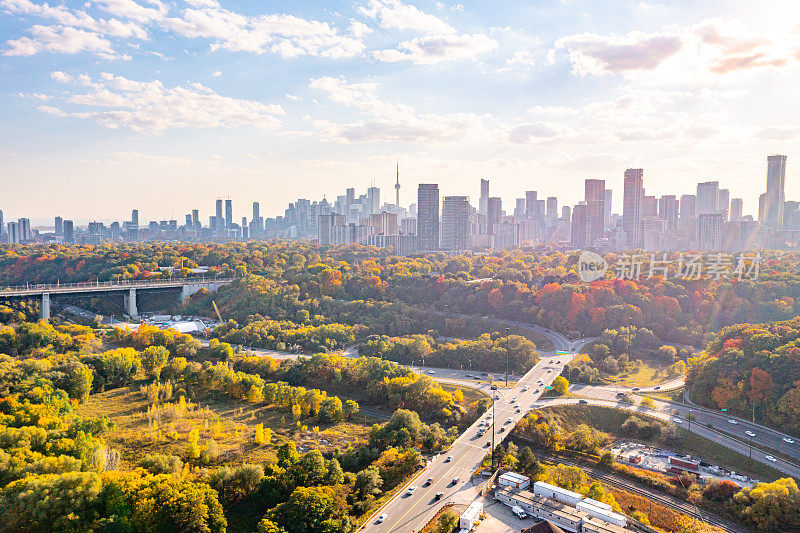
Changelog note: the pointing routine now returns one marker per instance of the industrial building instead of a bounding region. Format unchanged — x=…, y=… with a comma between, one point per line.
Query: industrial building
x=514, y=480
x=588, y=516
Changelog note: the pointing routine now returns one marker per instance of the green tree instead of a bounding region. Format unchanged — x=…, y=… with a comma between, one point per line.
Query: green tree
x=154, y=358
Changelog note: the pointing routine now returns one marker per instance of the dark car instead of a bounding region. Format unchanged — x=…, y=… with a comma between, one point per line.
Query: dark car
x=488, y=444
x=439, y=495
x=582, y=401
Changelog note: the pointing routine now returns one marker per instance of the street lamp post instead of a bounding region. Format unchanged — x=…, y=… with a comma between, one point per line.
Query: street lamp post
x=507, y=330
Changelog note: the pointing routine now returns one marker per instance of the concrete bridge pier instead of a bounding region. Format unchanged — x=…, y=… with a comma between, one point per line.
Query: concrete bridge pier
x=44, y=308
x=130, y=302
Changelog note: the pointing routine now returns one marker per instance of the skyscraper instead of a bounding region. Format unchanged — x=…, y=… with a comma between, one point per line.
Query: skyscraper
x=135, y=218
x=580, y=226
x=595, y=197
x=483, y=201
x=668, y=210
x=2, y=226
x=494, y=210
x=25, y=233
x=13, y=232
x=218, y=220
x=688, y=207
x=228, y=213
x=632, y=198
x=373, y=200
x=530, y=204
x=724, y=203
x=455, y=222
x=736, y=209
x=69, y=231
x=707, y=198
x=428, y=217
x=59, y=225
x=551, y=211
x=607, y=210
x=773, y=201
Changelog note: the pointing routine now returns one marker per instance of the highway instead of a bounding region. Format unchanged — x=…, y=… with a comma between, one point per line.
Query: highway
x=761, y=436
x=406, y=513
x=727, y=441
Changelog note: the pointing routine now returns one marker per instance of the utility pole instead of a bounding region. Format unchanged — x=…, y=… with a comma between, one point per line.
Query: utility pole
x=507, y=330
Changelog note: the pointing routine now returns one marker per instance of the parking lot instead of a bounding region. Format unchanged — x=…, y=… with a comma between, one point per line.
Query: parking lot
x=499, y=519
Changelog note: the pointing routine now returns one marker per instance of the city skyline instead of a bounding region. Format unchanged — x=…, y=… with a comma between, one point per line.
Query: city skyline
x=199, y=99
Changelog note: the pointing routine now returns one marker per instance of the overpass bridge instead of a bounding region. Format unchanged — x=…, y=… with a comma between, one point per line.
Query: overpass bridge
x=127, y=288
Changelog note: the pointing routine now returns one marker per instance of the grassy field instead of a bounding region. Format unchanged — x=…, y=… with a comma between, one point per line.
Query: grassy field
x=142, y=429
x=610, y=421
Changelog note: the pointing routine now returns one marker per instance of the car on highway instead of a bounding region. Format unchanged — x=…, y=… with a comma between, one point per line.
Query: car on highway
x=537, y=390
x=488, y=444
x=493, y=387
x=431, y=372
x=448, y=459
x=732, y=421
x=470, y=376
x=411, y=490
x=502, y=429
x=677, y=420
x=548, y=370
x=517, y=410
x=496, y=396
x=787, y=439
x=635, y=389
x=514, y=399
x=770, y=458
x=438, y=496
x=749, y=433
x=657, y=387
x=380, y=519
x=509, y=420
x=428, y=481
x=456, y=480
x=582, y=401
x=525, y=388
x=551, y=362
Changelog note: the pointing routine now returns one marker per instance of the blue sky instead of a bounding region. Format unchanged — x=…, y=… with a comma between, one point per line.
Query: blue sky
x=165, y=105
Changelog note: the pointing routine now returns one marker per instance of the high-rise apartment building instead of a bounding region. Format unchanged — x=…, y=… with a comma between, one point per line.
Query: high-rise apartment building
x=607, y=210
x=455, y=223
x=773, y=201
x=632, y=199
x=228, y=213
x=428, y=217
x=707, y=198
x=688, y=208
x=494, y=212
x=579, y=230
x=483, y=201
x=2, y=226
x=218, y=218
x=12, y=232
x=709, y=231
x=59, y=226
x=25, y=233
x=135, y=218
x=595, y=197
x=69, y=231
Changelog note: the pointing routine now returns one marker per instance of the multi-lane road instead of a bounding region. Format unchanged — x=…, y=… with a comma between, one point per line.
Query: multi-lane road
x=451, y=471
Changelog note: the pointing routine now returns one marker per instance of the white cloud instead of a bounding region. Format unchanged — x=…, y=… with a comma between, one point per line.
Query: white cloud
x=390, y=122
x=66, y=40
x=359, y=29
x=217, y=74
x=135, y=11
x=536, y=131
x=598, y=54
x=285, y=35
x=393, y=14
x=150, y=107
x=434, y=49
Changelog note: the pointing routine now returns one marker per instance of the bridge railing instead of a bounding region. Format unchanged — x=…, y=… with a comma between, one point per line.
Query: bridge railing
x=122, y=284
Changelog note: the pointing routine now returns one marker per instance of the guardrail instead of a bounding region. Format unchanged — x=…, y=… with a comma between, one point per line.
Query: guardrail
x=121, y=284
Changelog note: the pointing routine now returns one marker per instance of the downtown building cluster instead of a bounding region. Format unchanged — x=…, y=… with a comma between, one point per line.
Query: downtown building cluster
x=707, y=220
